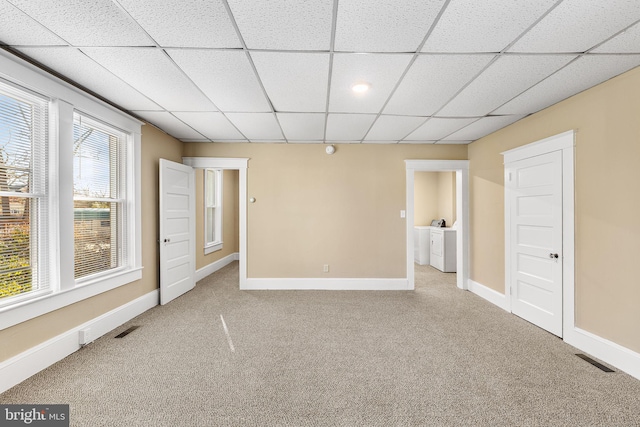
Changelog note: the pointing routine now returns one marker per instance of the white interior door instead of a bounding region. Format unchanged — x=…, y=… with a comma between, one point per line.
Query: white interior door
x=177, y=230
x=534, y=192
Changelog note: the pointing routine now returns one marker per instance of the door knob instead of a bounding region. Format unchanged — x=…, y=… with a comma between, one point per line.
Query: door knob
x=167, y=240
x=552, y=256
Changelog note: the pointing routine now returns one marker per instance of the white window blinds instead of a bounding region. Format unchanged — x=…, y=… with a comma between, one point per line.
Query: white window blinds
x=23, y=192
x=99, y=196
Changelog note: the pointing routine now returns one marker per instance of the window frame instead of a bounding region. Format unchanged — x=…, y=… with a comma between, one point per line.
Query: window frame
x=122, y=237
x=217, y=243
x=64, y=100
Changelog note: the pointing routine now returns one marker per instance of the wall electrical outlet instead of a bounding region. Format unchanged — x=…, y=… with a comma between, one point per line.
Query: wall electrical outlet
x=325, y=268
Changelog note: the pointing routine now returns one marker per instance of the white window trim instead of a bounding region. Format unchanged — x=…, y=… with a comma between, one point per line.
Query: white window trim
x=65, y=99
x=218, y=243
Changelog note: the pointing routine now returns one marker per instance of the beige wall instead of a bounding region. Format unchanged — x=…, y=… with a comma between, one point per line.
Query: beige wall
x=230, y=221
x=313, y=209
x=23, y=336
x=607, y=203
x=434, y=197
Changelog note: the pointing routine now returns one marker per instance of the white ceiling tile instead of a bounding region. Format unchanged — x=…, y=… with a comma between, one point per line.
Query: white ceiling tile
x=625, y=42
x=151, y=72
x=170, y=124
x=379, y=70
x=393, y=128
x=416, y=142
x=578, y=25
x=214, y=126
x=257, y=126
x=83, y=70
x=294, y=81
x=481, y=127
x=437, y=128
x=379, y=142
x=581, y=74
x=19, y=29
x=384, y=25
x=433, y=80
x=348, y=127
x=501, y=81
x=86, y=23
x=268, y=141
x=226, y=77
x=302, y=127
x=284, y=24
x=194, y=23
x=483, y=26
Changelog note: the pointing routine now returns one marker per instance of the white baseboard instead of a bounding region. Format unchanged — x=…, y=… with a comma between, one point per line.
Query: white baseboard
x=490, y=295
x=20, y=367
x=337, y=284
x=609, y=352
x=216, y=265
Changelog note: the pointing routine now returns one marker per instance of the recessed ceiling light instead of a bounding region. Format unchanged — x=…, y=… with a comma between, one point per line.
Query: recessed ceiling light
x=360, y=87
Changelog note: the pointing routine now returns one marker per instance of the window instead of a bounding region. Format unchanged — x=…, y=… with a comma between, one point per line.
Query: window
x=23, y=193
x=70, y=224
x=99, y=195
x=212, y=210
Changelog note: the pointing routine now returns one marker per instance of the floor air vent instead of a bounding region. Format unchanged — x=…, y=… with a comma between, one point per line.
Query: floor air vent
x=127, y=332
x=594, y=363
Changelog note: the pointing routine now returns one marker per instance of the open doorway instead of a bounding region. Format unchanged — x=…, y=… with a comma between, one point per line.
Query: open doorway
x=460, y=205
x=435, y=226
x=239, y=165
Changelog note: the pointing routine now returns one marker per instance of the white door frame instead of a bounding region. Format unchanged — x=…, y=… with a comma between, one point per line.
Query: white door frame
x=564, y=142
x=241, y=165
x=461, y=168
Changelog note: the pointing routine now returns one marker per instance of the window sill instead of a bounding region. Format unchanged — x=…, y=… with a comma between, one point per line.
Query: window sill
x=212, y=248
x=25, y=310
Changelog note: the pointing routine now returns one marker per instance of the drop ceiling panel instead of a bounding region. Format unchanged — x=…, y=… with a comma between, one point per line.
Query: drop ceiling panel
x=192, y=23
x=578, y=25
x=379, y=70
x=393, y=128
x=214, y=126
x=257, y=126
x=78, y=67
x=581, y=74
x=301, y=126
x=151, y=72
x=433, y=80
x=480, y=128
x=501, y=81
x=86, y=23
x=170, y=124
x=437, y=128
x=18, y=29
x=348, y=127
x=483, y=26
x=294, y=81
x=384, y=25
x=284, y=24
x=626, y=42
x=226, y=77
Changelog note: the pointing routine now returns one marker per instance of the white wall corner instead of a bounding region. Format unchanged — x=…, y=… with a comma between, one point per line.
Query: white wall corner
x=22, y=366
x=609, y=352
x=216, y=265
x=490, y=295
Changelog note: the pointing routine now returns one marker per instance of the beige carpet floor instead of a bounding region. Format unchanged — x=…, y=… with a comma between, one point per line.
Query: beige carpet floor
x=436, y=356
